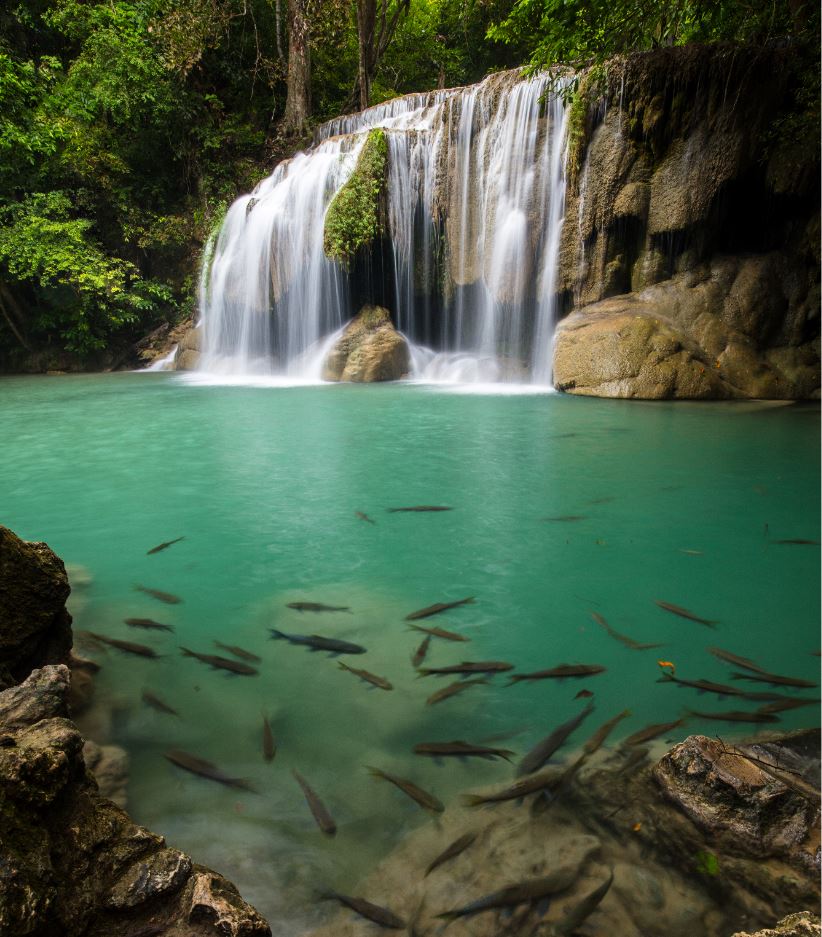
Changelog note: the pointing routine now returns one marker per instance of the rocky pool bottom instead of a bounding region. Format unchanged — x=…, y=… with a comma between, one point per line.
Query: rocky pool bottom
x=713, y=836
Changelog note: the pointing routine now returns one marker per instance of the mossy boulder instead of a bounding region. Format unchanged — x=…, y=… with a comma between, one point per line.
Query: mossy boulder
x=357, y=214
x=369, y=349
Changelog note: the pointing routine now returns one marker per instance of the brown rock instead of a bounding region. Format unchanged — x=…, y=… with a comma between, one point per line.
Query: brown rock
x=369, y=349
x=803, y=924
x=186, y=359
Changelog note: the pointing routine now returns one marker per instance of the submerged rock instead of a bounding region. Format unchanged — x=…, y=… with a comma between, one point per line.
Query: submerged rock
x=369, y=349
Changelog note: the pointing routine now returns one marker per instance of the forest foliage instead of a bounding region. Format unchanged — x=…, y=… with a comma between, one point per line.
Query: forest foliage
x=128, y=126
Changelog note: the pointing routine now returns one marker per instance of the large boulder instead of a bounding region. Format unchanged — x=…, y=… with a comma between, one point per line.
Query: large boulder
x=74, y=863
x=35, y=627
x=803, y=924
x=189, y=350
x=369, y=349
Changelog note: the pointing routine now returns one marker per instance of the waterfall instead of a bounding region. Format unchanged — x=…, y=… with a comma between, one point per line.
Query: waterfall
x=475, y=199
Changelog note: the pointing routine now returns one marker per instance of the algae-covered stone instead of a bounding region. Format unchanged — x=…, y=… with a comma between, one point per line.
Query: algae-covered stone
x=356, y=216
x=369, y=349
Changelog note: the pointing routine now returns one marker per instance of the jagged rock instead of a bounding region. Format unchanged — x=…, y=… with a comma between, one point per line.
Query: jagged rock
x=159, y=343
x=74, y=863
x=36, y=628
x=369, y=349
x=189, y=350
x=803, y=924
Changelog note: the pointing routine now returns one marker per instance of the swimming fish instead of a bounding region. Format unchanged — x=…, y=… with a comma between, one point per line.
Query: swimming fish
x=560, y=673
x=774, y=678
x=736, y=716
x=684, y=613
x=786, y=703
x=129, y=647
x=318, y=809
x=316, y=607
x=569, y=924
x=531, y=891
x=419, y=507
x=205, y=769
x=602, y=733
x=156, y=703
x=466, y=667
x=438, y=607
x=419, y=654
x=450, y=852
x=458, y=749
x=651, y=732
x=584, y=694
x=373, y=912
x=549, y=778
x=623, y=638
x=565, y=517
x=166, y=597
x=441, y=633
x=164, y=546
x=417, y=794
x=221, y=663
x=708, y=686
x=452, y=689
x=269, y=748
x=238, y=652
x=148, y=623
x=316, y=642
x=543, y=750
x=379, y=682
x=364, y=517
x=798, y=541
x=735, y=659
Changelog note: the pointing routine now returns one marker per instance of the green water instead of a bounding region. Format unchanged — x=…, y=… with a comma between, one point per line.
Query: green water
x=263, y=484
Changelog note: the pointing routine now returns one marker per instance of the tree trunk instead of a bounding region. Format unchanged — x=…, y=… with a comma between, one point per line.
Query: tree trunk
x=298, y=101
x=366, y=17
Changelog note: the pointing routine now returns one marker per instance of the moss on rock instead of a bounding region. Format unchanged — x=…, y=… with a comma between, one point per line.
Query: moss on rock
x=356, y=216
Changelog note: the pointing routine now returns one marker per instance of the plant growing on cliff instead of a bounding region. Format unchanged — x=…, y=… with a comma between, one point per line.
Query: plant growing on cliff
x=356, y=215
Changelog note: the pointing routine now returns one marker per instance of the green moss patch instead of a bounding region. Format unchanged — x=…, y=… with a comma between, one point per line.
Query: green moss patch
x=356, y=215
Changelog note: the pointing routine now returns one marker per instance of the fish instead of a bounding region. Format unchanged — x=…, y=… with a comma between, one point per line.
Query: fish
x=238, y=652
x=708, y=686
x=775, y=679
x=736, y=716
x=651, y=732
x=221, y=663
x=205, y=769
x=420, y=653
x=466, y=667
x=417, y=794
x=602, y=733
x=560, y=673
x=565, y=517
x=786, y=703
x=549, y=778
x=458, y=749
x=580, y=912
x=584, y=694
x=318, y=809
x=316, y=607
x=166, y=597
x=147, y=623
x=798, y=541
x=628, y=642
x=419, y=507
x=129, y=647
x=452, y=689
x=451, y=852
x=529, y=891
x=156, y=703
x=379, y=682
x=441, y=633
x=684, y=613
x=364, y=517
x=692, y=552
x=316, y=642
x=543, y=750
x=543, y=801
x=635, y=755
x=736, y=660
x=373, y=912
x=438, y=607
x=269, y=748
x=164, y=546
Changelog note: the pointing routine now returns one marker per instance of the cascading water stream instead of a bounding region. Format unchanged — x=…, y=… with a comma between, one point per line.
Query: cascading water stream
x=475, y=198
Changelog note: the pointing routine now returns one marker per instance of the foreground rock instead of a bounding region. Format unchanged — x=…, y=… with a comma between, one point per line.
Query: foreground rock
x=189, y=350
x=369, y=349
x=74, y=863
x=803, y=924
x=35, y=627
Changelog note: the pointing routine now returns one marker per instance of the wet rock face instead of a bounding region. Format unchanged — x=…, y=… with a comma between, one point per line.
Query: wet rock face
x=35, y=626
x=369, y=349
x=189, y=350
x=74, y=863
x=803, y=924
